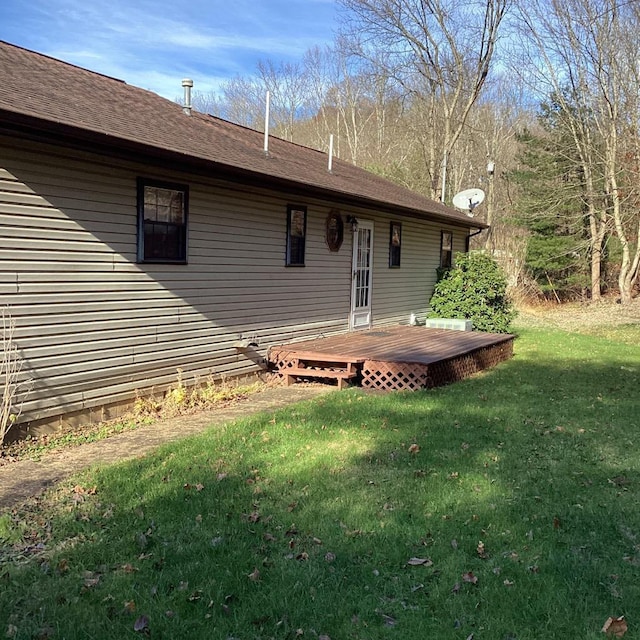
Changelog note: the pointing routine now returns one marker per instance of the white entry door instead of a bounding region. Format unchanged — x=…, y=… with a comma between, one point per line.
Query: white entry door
x=362, y=272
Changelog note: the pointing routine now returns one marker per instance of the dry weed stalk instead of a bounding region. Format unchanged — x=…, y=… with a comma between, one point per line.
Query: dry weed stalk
x=14, y=389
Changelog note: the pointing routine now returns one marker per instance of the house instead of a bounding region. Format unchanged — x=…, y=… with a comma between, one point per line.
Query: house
x=138, y=236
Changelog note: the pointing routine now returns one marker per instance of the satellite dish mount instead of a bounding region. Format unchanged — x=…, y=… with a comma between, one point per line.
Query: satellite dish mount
x=468, y=200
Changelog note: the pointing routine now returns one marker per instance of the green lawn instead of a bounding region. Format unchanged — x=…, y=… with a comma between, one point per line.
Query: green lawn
x=504, y=506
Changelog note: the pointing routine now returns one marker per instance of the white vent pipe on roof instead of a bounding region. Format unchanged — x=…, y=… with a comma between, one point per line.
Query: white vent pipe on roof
x=266, y=125
x=187, y=83
x=330, y=152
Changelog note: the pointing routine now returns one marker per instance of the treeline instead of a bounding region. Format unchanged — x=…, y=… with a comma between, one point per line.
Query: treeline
x=433, y=93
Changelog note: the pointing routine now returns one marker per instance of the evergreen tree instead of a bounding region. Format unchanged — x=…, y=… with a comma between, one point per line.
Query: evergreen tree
x=551, y=208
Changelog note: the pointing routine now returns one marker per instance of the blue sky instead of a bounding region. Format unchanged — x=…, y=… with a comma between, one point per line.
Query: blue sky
x=153, y=44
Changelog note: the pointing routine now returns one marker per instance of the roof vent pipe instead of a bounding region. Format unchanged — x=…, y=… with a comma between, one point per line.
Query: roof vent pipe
x=187, y=83
x=330, y=153
x=266, y=125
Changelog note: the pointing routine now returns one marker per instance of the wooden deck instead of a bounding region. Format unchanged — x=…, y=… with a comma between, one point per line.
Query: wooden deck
x=393, y=358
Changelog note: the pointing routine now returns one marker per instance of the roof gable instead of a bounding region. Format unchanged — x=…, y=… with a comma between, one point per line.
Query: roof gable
x=50, y=94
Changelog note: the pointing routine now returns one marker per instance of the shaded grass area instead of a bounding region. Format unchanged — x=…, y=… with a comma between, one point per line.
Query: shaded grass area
x=515, y=494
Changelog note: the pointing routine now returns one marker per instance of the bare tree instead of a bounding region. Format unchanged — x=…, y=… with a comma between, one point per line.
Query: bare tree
x=551, y=38
x=440, y=49
x=241, y=101
x=288, y=85
x=575, y=51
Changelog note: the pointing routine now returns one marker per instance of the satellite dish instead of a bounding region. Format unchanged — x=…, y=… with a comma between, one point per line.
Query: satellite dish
x=468, y=200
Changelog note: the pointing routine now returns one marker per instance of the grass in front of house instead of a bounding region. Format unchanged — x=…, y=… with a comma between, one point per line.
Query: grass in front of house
x=503, y=506
x=626, y=333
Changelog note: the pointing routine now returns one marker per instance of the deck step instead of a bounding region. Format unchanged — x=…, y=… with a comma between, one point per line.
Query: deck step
x=341, y=375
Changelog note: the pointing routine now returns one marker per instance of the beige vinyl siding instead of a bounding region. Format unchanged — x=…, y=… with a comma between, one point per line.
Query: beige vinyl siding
x=93, y=326
x=399, y=292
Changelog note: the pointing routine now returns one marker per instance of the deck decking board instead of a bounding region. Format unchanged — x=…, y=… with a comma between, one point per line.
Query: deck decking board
x=393, y=358
x=416, y=345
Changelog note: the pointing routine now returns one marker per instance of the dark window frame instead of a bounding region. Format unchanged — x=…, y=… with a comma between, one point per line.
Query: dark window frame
x=296, y=242
x=395, y=244
x=446, y=254
x=179, y=253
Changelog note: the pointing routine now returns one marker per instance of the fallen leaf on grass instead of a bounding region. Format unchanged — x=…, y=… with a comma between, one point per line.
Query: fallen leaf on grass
x=199, y=487
x=254, y=576
x=556, y=522
x=419, y=562
x=129, y=606
x=141, y=624
x=620, y=481
x=470, y=577
x=615, y=627
x=329, y=557
x=91, y=579
x=389, y=621
x=414, y=448
x=81, y=490
x=508, y=583
x=482, y=551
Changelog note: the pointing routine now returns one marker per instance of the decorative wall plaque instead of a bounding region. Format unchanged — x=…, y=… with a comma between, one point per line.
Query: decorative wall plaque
x=335, y=230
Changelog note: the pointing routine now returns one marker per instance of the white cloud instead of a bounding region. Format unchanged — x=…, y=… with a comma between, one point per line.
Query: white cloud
x=155, y=43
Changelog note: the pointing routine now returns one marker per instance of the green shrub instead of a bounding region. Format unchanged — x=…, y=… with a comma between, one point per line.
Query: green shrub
x=475, y=289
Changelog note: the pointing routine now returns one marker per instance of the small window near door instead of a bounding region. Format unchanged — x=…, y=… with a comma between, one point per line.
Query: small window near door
x=446, y=249
x=395, y=244
x=162, y=221
x=296, y=235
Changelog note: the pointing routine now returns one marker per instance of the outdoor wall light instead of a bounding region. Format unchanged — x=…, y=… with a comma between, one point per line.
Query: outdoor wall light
x=353, y=221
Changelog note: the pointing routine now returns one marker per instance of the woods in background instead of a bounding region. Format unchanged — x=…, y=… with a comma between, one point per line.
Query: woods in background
x=432, y=93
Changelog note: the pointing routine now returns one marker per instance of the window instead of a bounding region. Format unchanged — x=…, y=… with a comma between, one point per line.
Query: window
x=446, y=249
x=296, y=234
x=395, y=240
x=162, y=221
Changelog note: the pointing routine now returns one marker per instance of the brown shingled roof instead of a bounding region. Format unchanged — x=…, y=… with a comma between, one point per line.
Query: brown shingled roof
x=40, y=92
